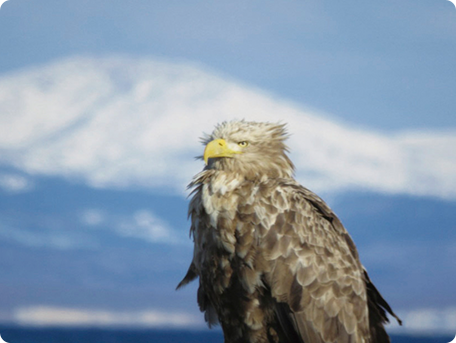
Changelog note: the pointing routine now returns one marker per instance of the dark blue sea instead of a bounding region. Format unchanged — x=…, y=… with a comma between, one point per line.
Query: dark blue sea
x=15, y=334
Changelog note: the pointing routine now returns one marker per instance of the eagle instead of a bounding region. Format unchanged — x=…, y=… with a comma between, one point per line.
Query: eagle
x=274, y=263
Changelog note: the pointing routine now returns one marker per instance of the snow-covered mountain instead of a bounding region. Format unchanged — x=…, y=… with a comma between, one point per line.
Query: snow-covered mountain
x=123, y=122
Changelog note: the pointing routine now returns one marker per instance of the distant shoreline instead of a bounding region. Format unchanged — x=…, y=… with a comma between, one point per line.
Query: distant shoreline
x=14, y=333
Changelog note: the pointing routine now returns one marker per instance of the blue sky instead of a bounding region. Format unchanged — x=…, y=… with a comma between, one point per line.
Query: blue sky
x=388, y=65
x=102, y=105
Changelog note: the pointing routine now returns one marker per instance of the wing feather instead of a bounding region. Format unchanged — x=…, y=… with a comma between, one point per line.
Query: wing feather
x=317, y=278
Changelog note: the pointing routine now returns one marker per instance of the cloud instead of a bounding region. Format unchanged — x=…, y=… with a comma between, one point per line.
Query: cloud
x=416, y=321
x=146, y=225
x=59, y=316
x=426, y=322
x=13, y=183
x=142, y=223
x=92, y=217
x=129, y=122
x=62, y=232
x=60, y=239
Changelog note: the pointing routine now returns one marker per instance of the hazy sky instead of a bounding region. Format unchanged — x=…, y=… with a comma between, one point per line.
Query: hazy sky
x=385, y=65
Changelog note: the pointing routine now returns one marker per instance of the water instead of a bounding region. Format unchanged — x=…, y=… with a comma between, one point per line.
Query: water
x=71, y=335
x=15, y=334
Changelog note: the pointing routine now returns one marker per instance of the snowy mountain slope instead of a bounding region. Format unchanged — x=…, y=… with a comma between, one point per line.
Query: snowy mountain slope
x=123, y=122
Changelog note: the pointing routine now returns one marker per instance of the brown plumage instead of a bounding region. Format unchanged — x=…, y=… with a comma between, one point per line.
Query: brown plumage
x=274, y=263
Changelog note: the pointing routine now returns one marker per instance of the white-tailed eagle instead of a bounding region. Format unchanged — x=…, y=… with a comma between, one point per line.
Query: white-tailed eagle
x=274, y=262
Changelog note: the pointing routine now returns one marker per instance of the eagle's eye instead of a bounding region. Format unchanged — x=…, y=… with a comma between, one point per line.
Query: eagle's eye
x=243, y=144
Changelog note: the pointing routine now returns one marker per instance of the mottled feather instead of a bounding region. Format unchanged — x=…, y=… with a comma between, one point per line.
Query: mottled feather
x=274, y=262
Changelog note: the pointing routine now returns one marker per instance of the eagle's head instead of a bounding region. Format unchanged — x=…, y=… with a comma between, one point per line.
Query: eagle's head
x=252, y=149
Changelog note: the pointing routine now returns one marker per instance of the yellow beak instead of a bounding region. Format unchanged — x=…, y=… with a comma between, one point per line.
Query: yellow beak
x=218, y=148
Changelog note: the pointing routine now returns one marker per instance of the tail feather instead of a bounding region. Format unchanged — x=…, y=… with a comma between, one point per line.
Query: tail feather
x=189, y=277
x=377, y=313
